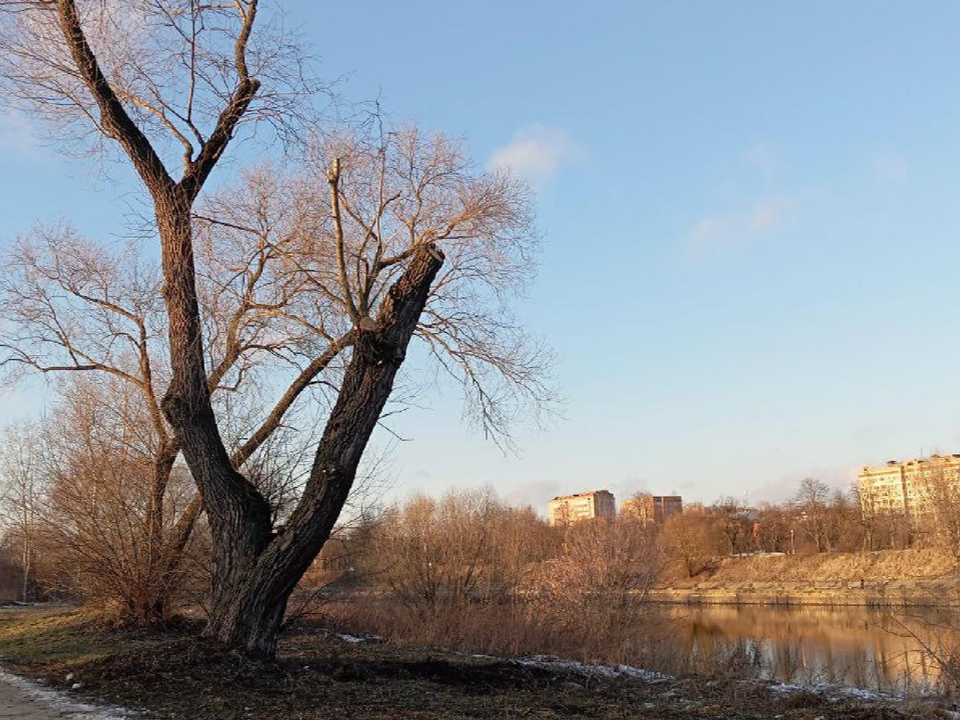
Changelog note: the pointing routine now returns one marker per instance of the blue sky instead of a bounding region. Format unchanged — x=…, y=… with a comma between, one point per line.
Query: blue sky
x=750, y=213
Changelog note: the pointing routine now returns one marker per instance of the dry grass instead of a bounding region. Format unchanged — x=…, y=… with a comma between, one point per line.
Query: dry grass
x=514, y=629
x=880, y=566
x=645, y=637
x=316, y=676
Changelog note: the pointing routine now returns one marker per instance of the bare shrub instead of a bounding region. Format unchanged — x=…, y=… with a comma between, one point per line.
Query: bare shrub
x=936, y=634
x=597, y=586
x=473, y=573
x=467, y=547
x=99, y=465
x=604, y=562
x=690, y=540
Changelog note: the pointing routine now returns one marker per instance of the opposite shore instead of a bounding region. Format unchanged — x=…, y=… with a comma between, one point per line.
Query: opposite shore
x=888, y=578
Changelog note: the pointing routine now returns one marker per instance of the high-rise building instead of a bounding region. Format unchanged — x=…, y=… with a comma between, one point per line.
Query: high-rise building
x=910, y=488
x=567, y=509
x=655, y=509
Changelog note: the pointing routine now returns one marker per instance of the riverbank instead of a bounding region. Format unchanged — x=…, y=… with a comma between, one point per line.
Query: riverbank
x=317, y=675
x=890, y=578
x=892, y=594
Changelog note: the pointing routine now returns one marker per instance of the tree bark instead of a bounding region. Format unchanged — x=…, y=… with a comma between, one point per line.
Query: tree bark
x=249, y=605
x=239, y=515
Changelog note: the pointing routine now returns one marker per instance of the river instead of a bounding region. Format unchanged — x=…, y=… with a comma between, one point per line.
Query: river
x=861, y=647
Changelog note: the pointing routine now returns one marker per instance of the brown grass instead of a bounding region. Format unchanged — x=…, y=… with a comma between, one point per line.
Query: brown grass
x=880, y=566
x=643, y=637
x=316, y=677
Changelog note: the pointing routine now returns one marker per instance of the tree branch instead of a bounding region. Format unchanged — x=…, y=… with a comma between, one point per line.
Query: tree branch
x=114, y=118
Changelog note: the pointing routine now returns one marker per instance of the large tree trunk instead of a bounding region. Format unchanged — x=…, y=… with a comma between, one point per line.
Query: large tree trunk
x=249, y=612
x=254, y=571
x=238, y=514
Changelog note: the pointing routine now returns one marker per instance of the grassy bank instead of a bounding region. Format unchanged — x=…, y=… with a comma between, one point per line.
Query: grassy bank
x=927, y=564
x=884, y=578
x=317, y=675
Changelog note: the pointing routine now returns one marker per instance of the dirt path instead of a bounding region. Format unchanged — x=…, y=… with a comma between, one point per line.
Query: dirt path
x=16, y=703
x=21, y=699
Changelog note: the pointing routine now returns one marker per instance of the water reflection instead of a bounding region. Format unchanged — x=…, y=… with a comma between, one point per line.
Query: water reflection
x=883, y=650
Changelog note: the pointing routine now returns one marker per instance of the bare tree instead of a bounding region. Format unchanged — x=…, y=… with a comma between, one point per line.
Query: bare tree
x=843, y=523
x=733, y=523
x=391, y=199
x=936, y=504
x=325, y=261
x=23, y=493
x=467, y=547
x=171, y=81
x=687, y=537
x=881, y=526
x=71, y=306
x=774, y=527
x=174, y=73
x=813, y=508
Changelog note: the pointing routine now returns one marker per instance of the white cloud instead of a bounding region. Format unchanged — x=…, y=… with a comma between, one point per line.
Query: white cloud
x=536, y=153
x=720, y=232
x=17, y=135
x=750, y=204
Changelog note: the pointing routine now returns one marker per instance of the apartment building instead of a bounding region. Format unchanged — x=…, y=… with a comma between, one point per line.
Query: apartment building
x=656, y=509
x=909, y=487
x=566, y=509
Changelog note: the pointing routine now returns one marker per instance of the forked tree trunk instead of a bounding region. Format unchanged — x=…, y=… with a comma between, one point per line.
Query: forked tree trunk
x=254, y=572
x=249, y=612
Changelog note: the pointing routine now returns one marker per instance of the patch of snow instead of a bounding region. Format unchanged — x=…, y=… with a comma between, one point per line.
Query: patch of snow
x=786, y=688
x=549, y=662
x=358, y=638
x=833, y=692
x=861, y=694
x=350, y=638
x=66, y=706
x=649, y=676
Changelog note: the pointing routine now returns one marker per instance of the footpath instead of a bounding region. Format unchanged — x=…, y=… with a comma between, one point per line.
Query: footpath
x=21, y=699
